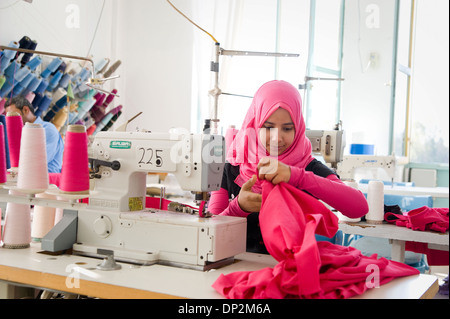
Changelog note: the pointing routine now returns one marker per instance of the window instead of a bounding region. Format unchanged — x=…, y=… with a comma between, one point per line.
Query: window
x=324, y=64
x=270, y=26
x=403, y=78
x=430, y=80
x=250, y=25
x=421, y=97
x=396, y=78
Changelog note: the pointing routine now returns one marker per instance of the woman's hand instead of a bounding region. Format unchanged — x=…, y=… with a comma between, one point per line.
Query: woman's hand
x=273, y=170
x=248, y=201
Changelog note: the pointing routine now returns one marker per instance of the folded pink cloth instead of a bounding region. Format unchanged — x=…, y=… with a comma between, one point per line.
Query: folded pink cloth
x=423, y=218
x=289, y=220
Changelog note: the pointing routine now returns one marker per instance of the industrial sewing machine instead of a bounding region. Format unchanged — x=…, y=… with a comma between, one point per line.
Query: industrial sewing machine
x=117, y=222
x=330, y=145
x=346, y=168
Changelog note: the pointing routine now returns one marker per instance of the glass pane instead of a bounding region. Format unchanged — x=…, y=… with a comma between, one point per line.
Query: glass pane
x=322, y=97
x=401, y=92
x=401, y=82
x=254, y=28
x=430, y=95
x=326, y=29
x=367, y=89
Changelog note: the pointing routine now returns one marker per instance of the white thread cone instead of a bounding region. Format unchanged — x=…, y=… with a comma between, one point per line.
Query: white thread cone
x=17, y=230
x=33, y=169
x=43, y=218
x=375, y=200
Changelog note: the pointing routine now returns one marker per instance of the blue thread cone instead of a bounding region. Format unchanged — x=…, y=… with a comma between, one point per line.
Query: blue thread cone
x=34, y=63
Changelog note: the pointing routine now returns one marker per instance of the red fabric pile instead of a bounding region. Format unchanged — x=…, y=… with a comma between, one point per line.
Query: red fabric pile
x=423, y=218
x=289, y=220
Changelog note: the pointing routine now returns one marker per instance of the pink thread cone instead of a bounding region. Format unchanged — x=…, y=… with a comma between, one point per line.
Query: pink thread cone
x=3, y=177
x=75, y=168
x=14, y=126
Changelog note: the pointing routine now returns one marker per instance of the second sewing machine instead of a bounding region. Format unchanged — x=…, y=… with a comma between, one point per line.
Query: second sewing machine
x=116, y=221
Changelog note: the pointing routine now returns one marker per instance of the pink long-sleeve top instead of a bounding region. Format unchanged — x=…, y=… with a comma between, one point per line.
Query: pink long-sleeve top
x=330, y=189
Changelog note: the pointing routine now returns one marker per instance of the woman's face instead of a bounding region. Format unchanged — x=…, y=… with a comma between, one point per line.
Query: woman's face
x=278, y=132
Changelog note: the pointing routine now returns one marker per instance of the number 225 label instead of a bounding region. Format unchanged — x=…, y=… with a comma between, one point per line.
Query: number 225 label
x=155, y=159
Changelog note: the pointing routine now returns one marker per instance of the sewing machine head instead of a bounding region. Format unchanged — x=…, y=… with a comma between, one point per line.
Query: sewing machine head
x=120, y=162
x=346, y=169
x=328, y=144
x=117, y=221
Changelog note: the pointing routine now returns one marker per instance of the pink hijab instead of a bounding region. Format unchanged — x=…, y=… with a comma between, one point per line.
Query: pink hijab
x=246, y=149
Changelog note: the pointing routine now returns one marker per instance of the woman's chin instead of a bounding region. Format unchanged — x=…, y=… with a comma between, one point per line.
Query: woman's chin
x=276, y=152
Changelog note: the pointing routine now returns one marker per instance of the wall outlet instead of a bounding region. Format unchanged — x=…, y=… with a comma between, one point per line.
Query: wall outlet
x=373, y=59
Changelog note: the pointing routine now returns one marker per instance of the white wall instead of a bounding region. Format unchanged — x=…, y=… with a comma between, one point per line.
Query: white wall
x=155, y=45
x=56, y=29
x=366, y=93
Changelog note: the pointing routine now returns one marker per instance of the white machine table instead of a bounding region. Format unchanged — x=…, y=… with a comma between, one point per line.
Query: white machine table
x=79, y=275
x=398, y=235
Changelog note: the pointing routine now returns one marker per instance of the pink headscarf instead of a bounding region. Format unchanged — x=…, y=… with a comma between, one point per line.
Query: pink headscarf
x=246, y=149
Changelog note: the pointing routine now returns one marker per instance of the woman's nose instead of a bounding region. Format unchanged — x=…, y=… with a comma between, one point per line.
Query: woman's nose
x=274, y=136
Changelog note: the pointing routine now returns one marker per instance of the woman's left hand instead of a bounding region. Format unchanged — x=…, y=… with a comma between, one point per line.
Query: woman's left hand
x=273, y=170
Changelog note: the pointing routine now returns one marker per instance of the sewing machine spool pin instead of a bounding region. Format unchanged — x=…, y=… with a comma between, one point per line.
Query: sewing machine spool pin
x=108, y=262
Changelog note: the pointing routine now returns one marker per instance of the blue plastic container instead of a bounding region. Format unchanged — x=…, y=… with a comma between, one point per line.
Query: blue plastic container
x=362, y=149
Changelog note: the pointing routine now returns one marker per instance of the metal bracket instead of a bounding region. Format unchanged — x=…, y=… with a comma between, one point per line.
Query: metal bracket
x=63, y=235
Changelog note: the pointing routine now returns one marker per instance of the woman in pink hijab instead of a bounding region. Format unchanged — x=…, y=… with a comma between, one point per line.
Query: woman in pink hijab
x=271, y=145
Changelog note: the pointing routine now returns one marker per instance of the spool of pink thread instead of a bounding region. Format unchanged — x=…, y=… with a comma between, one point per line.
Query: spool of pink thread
x=3, y=178
x=109, y=98
x=75, y=167
x=14, y=126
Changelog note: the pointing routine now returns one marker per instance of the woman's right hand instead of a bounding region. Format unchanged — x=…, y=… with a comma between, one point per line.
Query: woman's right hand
x=249, y=201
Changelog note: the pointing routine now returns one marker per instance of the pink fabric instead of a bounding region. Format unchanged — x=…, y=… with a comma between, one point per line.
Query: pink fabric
x=153, y=202
x=434, y=257
x=54, y=178
x=347, y=200
x=423, y=218
x=246, y=150
x=220, y=204
x=289, y=218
